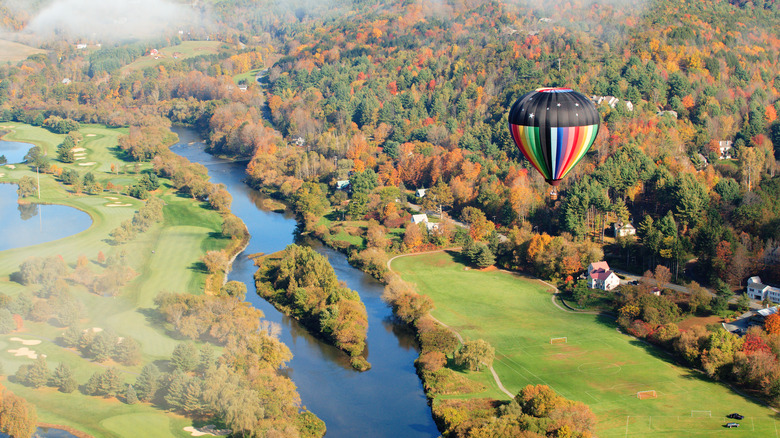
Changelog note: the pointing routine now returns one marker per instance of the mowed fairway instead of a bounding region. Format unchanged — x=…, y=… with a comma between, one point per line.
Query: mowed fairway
x=165, y=257
x=598, y=365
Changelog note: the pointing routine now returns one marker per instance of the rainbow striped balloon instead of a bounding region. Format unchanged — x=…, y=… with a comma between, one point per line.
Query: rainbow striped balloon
x=553, y=128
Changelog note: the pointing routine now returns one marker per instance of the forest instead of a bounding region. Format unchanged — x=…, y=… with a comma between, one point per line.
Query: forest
x=411, y=95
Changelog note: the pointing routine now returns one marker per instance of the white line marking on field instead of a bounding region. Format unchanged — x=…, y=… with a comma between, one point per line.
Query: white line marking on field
x=627, y=417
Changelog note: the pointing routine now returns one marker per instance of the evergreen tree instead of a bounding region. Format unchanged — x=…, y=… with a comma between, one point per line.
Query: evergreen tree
x=130, y=396
x=93, y=384
x=62, y=376
x=147, y=384
x=110, y=383
x=185, y=357
x=177, y=388
x=206, y=358
x=38, y=374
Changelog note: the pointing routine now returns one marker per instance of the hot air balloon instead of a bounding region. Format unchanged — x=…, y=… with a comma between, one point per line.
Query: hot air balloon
x=553, y=128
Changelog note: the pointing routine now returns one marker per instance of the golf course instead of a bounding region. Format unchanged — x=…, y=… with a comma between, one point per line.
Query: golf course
x=594, y=363
x=165, y=257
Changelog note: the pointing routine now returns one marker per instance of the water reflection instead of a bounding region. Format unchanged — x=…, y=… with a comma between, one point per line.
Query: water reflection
x=27, y=211
x=386, y=401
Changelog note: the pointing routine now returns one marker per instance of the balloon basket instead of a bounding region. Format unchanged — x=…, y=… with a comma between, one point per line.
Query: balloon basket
x=553, y=194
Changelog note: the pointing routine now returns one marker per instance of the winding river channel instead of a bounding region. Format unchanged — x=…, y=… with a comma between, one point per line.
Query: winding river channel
x=386, y=401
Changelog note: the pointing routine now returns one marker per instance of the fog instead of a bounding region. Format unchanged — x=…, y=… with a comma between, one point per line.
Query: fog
x=110, y=20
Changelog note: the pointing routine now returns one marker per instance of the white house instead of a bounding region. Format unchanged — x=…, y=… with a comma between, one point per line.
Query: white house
x=601, y=277
x=419, y=218
x=623, y=230
x=421, y=193
x=724, y=146
x=759, y=291
x=342, y=184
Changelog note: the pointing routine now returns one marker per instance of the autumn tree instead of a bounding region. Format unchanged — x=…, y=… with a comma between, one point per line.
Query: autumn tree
x=475, y=354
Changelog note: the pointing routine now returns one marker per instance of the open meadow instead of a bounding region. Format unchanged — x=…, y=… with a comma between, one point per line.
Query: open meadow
x=596, y=364
x=165, y=257
x=187, y=49
x=14, y=52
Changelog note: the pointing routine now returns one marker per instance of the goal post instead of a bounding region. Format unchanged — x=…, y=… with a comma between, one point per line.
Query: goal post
x=701, y=413
x=642, y=395
x=561, y=340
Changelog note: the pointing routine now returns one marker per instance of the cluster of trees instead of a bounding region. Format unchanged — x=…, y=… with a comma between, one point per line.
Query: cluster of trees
x=146, y=216
x=103, y=345
x=17, y=416
x=244, y=388
x=303, y=285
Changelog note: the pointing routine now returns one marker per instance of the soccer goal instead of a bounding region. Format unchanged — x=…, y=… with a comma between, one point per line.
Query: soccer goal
x=562, y=340
x=701, y=413
x=642, y=395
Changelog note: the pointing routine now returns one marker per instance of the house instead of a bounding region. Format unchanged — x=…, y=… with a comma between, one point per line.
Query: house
x=663, y=113
x=242, y=87
x=66, y=81
x=421, y=193
x=154, y=53
x=342, y=184
x=81, y=46
x=299, y=141
x=612, y=101
x=601, y=277
x=760, y=291
x=759, y=316
x=623, y=230
x=419, y=218
x=725, y=149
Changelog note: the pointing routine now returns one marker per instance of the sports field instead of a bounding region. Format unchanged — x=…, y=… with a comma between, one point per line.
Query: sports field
x=596, y=365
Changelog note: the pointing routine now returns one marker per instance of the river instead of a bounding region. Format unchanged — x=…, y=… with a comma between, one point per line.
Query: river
x=386, y=401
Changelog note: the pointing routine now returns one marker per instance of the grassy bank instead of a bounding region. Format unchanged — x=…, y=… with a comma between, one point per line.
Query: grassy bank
x=165, y=257
x=597, y=365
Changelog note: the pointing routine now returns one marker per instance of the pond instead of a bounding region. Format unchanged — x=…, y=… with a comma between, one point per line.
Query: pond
x=386, y=401
x=31, y=224
x=14, y=151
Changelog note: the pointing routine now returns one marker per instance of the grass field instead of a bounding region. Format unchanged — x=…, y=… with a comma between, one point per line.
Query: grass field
x=165, y=258
x=598, y=365
x=15, y=52
x=187, y=49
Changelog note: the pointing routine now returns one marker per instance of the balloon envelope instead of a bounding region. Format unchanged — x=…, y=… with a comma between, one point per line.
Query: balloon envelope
x=553, y=128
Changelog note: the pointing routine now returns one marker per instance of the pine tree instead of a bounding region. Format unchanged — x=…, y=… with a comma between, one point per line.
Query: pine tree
x=176, y=390
x=110, y=382
x=93, y=384
x=38, y=374
x=185, y=357
x=206, y=359
x=62, y=376
x=147, y=384
x=130, y=396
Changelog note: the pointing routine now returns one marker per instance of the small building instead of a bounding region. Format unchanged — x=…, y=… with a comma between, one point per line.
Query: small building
x=724, y=146
x=611, y=101
x=432, y=226
x=623, y=230
x=601, y=277
x=759, y=316
x=760, y=291
x=342, y=184
x=419, y=218
x=421, y=193
x=299, y=141
x=66, y=81
x=81, y=46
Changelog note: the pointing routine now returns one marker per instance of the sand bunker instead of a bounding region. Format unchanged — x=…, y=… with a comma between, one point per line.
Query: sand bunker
x=27, y=341
x=80, y=158
x=24, y=351
x=78, y=150
x=207, y=430
x=119, y=205
x=91, y=135
x=10, y=166
x=86, y=164
x=2, y=175
x=80, y=154
x=113, y=198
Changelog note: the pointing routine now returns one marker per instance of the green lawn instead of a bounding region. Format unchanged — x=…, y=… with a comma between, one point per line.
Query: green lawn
x=187, y=49
x=598, y=365
x=165, y=257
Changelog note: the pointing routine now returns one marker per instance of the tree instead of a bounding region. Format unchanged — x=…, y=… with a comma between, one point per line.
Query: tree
x=538, y=400
x=215, y=261
x=37, y=158
x=148, y=382
x=110, y=383
x=18, y=418
x=130, y=396
x=38, y=374
x=475, y=354
x=63, y=379
x=27, y=186
x=185, y=357
x=128, y=352
x=772, y=324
